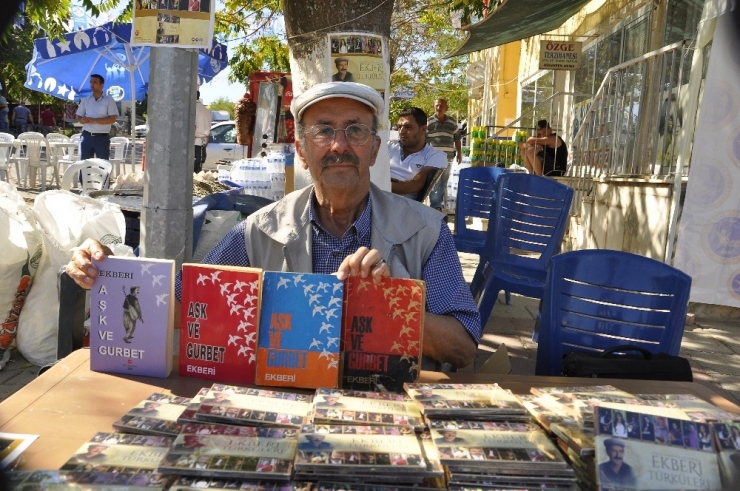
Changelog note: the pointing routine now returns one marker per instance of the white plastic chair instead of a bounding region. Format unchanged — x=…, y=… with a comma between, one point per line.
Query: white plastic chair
x=6, y=158
x=119, y=144
x=58, y=155
x=29, y=156
x=95, y=175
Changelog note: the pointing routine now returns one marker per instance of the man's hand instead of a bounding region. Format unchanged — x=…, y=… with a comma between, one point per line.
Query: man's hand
x=365, y=262
x=80, y=268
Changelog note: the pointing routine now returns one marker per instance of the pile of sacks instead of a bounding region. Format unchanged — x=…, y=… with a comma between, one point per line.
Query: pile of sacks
x=38, y=243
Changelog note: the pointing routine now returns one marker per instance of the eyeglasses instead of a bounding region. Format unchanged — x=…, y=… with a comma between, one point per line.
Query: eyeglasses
x=323, y=134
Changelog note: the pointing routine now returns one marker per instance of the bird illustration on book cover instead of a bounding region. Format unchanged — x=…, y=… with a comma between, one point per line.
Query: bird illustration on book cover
x=382, y=332
x=131, y=316
x=219, y=315
x=300, y=330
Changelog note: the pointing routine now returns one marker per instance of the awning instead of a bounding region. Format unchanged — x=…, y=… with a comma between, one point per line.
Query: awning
x=515, y=20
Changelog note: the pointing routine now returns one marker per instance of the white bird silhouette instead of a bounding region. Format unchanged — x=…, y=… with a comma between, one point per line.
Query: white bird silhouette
x=202, y=279
x=235, y=308
x=414, y=304
x=396, y=346
x=413, y=345
x=322, y=287
x=318, y=309
x=231, y=298
x=410, y=316
x=162, y=298
x=405, y=330
x=401, y=289
x=333, y=364
x=387, y=291
x=214, y=276
x=325, y=354
x=239, y=285
x=307, y=289
x=337, y=286
x=325, y=327
x=243, y=350
x=252, y=357
x=233, y=339
x=225, y=288
x=397, y=313
x=249, y=299
x=250, y=338
x=298, y=279
x=335, y=301
x=253, y=286
x=243, y=325
x=393, y=301
x=314, y=298
x=249, y=313
x=145, y=268
x=406, y=357
x=363, y=285
x=157, y=279
x=315, y=344
x=332, y=341
x=282, y=282
x=330, y=313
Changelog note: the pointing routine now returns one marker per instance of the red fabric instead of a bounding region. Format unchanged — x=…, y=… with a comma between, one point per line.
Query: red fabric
x=47, y=117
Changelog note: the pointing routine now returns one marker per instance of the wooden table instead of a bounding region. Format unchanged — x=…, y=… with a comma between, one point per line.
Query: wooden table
x=69, y=403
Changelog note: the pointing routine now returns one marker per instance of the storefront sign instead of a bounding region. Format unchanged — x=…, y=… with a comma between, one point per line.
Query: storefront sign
x=560, y=55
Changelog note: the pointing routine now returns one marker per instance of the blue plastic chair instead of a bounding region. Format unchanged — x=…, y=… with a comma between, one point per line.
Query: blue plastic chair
x=475, y=198
x=529, y=222
x=597, y=299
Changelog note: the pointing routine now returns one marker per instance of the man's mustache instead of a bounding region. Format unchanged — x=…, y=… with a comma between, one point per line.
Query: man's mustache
x=339, y=158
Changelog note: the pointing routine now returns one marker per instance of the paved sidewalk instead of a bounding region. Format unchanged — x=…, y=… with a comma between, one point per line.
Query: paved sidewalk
x=713, y=347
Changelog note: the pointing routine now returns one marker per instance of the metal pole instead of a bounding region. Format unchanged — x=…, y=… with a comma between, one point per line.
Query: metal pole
x=167, y=212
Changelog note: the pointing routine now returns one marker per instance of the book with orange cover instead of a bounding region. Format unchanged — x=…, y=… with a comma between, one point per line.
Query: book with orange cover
x=382, y=329
x=219, y=315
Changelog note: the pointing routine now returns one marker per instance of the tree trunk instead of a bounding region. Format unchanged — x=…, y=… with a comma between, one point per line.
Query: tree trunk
x=308, y=24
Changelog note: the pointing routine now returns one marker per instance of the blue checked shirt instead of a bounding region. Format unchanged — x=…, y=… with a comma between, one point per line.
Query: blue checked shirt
x=447, y=293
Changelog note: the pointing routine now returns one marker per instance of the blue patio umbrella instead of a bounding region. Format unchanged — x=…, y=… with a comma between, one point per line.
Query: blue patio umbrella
x=61, y=67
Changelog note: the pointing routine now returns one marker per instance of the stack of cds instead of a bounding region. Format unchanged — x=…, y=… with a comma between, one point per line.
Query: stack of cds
x=481, y=402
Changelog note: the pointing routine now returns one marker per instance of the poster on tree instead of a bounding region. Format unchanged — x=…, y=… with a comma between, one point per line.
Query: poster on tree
x=176, y=23
x=358, y=57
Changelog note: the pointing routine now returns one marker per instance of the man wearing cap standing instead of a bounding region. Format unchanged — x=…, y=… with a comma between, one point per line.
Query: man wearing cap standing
x=96, y=112
x=344, y=224
x=615, y=471
x=342, y=74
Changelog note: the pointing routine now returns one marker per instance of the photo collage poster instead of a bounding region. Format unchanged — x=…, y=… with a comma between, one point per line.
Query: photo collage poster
x=176, y=23
x=358, y=57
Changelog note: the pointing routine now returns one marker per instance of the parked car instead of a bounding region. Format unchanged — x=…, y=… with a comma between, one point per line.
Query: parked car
x=140, y=130
x=222, y=145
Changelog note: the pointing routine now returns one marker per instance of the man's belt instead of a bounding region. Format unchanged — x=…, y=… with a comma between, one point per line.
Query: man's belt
x=94, y=134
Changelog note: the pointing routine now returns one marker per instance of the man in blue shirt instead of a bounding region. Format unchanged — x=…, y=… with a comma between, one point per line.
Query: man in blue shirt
x=345, y=225
x=22, y=117
x=97, y=113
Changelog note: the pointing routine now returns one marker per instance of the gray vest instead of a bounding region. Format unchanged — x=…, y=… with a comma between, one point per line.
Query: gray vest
x=279, y=236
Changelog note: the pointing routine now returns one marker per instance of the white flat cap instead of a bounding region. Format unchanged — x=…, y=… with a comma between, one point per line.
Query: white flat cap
x=331, y=90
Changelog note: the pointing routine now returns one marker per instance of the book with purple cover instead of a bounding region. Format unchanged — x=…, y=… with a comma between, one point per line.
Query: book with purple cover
x=131, y=316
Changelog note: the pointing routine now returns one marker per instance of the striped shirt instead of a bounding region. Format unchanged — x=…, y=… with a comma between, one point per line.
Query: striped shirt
x=447, y=292
x=442, y=135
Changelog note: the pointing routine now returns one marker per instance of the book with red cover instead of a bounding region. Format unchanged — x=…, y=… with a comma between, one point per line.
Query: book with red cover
x=299, y=330
x=382, y=332
x=219, y=315
x=132, y=309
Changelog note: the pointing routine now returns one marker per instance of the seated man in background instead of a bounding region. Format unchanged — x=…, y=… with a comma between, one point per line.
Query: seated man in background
x=545, y=154
x=343, y=224
x=411, y=157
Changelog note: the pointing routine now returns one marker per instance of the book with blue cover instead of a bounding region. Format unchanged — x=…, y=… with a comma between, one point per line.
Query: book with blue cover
x=300, y=330
x=132, y=316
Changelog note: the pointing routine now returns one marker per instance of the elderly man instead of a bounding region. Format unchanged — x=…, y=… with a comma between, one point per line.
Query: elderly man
x=412, y=158
x=343, y=224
